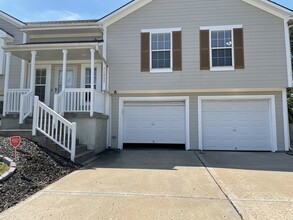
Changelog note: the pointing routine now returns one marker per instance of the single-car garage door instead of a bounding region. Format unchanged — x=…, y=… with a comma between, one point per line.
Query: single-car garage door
x=236, y=125
x=154, y=122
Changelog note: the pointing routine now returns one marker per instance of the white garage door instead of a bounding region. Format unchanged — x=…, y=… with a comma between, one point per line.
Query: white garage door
x=236, y=125
x=154, y=122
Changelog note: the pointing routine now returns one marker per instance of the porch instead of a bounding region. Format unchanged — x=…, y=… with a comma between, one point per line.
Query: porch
x=68, y=77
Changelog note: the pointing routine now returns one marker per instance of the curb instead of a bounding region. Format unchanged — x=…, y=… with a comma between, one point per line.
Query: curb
x=12, y=168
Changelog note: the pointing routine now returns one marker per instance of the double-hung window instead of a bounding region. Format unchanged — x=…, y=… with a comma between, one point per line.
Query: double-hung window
x=221, y=48
x=161, y=50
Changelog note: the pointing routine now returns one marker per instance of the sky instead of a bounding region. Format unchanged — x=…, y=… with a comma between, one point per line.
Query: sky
x=48, y=10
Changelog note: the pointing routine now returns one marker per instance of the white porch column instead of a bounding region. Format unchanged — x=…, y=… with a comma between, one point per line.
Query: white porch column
x=92, y=80
x=22, y=74
x=6, y=82
x=64, y=69
x=33, y=71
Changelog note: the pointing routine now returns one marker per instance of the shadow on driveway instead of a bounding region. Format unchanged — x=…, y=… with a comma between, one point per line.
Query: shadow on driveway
x=169, y=159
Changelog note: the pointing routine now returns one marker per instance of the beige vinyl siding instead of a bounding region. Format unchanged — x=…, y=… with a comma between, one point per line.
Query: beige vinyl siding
x=264, y=46
x=193, y=114
x=15, y=65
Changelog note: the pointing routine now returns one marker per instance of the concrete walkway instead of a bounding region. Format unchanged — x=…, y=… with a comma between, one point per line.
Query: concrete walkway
x=169, y=184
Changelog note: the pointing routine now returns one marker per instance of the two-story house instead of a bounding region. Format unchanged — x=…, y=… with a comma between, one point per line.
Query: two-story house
x=206, y=75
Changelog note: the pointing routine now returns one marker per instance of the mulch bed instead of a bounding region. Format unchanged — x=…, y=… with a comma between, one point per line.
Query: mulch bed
x=36, y=168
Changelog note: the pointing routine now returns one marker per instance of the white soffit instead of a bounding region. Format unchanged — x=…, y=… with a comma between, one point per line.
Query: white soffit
x=123, y=11
x=271, y=7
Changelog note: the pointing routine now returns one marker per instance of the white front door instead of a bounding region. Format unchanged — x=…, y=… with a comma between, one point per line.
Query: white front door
x=154, y=122
x=236, y=125
x=42, y=84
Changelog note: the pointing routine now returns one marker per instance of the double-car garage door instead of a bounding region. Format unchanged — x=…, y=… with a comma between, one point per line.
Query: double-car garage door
x=223, y=124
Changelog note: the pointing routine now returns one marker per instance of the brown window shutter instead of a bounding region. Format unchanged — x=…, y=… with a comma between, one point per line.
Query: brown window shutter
x=145, y=52
x=204, y=50
x=238, y=48
x=177, y=51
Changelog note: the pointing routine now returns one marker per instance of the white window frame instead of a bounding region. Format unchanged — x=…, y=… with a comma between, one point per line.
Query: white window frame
x=82, y=75
x=221, y=28
x=161, y=31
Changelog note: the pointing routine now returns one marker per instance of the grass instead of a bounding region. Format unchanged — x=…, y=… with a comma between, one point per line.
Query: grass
x=3, y=168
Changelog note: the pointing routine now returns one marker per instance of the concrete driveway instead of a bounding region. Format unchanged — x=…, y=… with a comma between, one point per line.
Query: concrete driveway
x=169, y=184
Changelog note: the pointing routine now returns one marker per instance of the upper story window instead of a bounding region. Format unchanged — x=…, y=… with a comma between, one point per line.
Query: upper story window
x=161, y=50
x=221, y=48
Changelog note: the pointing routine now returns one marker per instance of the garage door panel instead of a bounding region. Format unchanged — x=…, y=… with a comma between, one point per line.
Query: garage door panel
x=157, y=122
x=236, y=124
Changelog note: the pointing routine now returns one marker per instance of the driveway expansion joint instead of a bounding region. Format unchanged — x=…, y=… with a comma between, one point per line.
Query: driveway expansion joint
x=230, y=201
x=124, y=194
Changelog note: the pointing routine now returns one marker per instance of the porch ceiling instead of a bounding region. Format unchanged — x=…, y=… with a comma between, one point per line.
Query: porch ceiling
x=53, y=52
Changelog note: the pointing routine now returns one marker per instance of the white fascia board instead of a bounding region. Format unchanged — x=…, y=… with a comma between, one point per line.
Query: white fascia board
x=271, y=8
x=122, y=12
x=29, y=47
x=11, y=20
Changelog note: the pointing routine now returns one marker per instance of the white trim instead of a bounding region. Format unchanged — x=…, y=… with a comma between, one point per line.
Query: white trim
x=221, y=27
x=223, y=68
x=271, y=98
x=270, y=7
x=82, y=75
x=50, y=36
x=61, y=27
x=11, y=20
x=160, y=30
x=122, y=100
x=105, y=36
x=288, y=53
x=124, y=11
x=178, y=91
x=23, y=64
x=285, y=120
x=5, y=36
x=48, y=81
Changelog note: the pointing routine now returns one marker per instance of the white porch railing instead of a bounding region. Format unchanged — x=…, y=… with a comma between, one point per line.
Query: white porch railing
x=12, y=100
x=26, y=106
x=54, y=126
x=78, y=100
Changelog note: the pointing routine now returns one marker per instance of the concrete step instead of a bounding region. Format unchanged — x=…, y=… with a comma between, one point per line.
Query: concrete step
x=80, y=148
x=84, y=156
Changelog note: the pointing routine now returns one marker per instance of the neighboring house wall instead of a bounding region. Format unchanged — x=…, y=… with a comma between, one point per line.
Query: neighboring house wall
x=15, y=64
x=264, y=47
x=194, y=114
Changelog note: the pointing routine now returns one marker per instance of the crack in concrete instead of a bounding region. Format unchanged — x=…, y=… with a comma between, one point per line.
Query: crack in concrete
x=230, y=201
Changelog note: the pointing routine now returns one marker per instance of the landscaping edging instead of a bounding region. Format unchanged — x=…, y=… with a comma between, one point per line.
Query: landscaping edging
x=12, y=168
